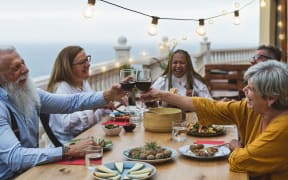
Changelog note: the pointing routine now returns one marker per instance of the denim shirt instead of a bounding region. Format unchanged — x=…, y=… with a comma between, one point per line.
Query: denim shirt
x=19, y=155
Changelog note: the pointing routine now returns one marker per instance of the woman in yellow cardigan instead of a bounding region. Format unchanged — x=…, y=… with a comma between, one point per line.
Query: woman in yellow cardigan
x=261, y=118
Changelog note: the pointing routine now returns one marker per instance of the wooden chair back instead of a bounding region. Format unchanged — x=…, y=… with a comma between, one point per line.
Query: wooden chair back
x=225, y=78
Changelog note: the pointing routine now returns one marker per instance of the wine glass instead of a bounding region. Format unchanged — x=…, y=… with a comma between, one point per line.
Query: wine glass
x=143, y=83
x=124, y=73
x=144, y=80
x=129, y=86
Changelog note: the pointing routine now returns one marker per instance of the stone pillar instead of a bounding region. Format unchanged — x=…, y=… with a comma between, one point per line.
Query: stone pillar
x=205, y=49
x=122, y=51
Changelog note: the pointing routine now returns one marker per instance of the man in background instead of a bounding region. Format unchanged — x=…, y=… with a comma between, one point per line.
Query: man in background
x=264, y=53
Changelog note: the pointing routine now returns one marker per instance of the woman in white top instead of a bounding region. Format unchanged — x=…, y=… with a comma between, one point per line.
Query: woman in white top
x=181, y=75
x=69, y=75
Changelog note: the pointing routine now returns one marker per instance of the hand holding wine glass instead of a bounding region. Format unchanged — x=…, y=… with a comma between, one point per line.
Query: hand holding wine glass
x=128, y=79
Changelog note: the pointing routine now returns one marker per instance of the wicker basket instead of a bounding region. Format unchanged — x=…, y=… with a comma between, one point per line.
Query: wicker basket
x=160, y=119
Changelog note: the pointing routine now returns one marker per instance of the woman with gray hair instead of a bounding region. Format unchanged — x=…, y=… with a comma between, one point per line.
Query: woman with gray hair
x=261, y=119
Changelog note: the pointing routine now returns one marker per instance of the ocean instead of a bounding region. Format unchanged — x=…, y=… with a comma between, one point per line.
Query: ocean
x=40, y=57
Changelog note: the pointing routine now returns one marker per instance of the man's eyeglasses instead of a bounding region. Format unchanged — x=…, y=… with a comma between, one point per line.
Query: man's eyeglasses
x=259, y=56
x=83, y=61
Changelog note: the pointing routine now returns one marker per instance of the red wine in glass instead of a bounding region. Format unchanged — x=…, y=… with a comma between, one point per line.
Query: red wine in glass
x=143, y=85
x=128, y=86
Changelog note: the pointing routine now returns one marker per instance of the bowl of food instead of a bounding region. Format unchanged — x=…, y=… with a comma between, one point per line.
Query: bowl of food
x=112, y=129
x=129, y=127
x=160, y=119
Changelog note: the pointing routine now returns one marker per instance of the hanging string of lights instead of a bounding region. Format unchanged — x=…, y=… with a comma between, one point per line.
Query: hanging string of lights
x=153, y=30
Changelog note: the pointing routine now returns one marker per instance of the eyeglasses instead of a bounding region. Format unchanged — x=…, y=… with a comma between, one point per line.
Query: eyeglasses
x=258, y=56
x=83, y=61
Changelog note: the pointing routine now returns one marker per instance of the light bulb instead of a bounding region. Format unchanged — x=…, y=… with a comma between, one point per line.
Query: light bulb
x=153, y=30
x=262, y=3
x=88, y=12
x=236, y=20
x=117, y=64
x=200, y=30
x=280, y=24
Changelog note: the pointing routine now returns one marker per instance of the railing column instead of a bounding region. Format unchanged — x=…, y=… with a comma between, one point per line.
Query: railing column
x=122, y=51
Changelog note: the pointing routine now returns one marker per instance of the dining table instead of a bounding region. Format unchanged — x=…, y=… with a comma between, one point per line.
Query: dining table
x=179, y=168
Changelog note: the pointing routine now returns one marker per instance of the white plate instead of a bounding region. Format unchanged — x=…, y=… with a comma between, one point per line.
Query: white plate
x=173, y=155
x=126, y=166
x=223, y=152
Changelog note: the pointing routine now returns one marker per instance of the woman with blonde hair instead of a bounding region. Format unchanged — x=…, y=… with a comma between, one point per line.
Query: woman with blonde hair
x=69, y=75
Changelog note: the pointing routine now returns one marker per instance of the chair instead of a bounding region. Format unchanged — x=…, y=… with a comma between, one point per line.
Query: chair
x=225, y=80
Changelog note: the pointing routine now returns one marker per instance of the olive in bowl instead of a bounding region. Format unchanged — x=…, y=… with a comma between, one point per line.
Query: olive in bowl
x=112, y=129
x=129, y=127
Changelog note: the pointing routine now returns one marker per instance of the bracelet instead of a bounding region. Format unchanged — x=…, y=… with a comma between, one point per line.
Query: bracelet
x=65, y=150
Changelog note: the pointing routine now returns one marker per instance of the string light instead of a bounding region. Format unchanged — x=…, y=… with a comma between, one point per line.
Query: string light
x=131, y=60
x=104, y=69
x=153, y=30
x=200, y=30
x=262, y=3
x=117, y=64
x=236, y=20
x=89, y=12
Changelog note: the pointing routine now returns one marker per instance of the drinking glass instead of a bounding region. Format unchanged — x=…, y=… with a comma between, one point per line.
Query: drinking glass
x=144, y=80
x=124, y=73
x=143, y=83
x=179, y=131
x=93, y=158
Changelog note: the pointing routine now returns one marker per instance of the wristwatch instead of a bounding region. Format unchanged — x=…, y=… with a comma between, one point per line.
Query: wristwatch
x=65, y=150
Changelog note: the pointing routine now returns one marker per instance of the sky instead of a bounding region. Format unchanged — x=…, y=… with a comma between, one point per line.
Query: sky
x=31, y=21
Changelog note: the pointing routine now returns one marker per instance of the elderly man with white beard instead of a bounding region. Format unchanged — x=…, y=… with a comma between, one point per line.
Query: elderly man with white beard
x=21, y=101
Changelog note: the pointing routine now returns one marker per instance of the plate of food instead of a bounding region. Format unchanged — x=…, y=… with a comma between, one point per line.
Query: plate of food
x=106, y=144
x=156, y=153
x=197, y=130
x=124, y=170
x=205, y=151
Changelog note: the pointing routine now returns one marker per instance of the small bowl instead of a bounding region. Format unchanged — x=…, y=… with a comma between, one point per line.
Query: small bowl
x=112, y=129
x=129, y=127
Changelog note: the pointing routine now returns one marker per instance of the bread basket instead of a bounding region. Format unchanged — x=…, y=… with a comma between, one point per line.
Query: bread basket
x=160, y=119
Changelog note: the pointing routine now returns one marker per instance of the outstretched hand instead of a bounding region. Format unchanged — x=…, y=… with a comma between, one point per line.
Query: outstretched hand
x=151, y=95
x=115, y=93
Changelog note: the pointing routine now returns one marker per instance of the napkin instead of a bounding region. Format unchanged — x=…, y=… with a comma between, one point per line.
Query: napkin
x=214, y=142
x=78, y=161
x=115, y=122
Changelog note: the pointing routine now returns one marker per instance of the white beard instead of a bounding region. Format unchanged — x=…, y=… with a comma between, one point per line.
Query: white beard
x=25, y=97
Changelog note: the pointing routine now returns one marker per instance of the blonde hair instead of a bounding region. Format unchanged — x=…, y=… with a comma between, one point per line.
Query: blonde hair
x=62, y=69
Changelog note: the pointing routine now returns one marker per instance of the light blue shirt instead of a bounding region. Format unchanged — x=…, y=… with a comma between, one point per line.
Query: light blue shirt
x=16, y=156
x=67, y=126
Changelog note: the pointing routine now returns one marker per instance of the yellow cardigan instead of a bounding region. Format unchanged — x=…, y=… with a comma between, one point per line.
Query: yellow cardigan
x=264, y=154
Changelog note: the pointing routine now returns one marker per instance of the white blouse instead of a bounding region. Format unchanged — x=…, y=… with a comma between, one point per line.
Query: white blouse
x=180, y=84
x=67, y=126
